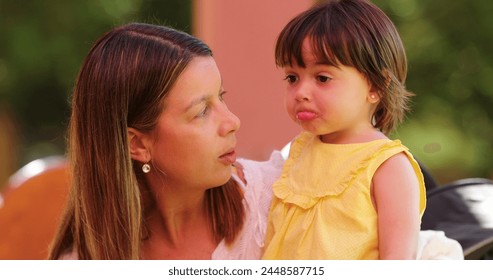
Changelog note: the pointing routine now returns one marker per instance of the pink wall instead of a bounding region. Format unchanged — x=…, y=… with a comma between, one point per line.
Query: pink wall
x=242, y=36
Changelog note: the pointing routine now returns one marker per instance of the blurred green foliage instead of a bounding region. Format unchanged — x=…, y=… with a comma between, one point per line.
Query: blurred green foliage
x=448, y=43
x=42, y=45
x=450, y=62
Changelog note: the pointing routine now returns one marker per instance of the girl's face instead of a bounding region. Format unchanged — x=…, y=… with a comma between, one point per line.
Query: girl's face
x=333, y=102
x=195, y=143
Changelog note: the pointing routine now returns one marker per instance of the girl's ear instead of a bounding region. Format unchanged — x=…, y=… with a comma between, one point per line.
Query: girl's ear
x=139, y=150
x=373, y=96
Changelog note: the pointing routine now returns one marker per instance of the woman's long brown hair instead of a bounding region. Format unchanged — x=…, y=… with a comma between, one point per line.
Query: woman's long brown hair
x=122, y=83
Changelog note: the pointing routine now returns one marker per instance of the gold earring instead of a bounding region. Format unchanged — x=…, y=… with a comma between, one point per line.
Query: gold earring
x=146, y=168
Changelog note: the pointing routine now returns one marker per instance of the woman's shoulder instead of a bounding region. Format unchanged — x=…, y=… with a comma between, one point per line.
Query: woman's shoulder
x=260, y=175
x=256, y=178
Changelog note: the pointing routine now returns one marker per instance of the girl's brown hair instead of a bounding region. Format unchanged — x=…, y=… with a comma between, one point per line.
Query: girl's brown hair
x=358, y=34
x=123, y=83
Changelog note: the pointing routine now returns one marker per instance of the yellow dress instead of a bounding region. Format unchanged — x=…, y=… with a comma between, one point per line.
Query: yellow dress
x=322, y=206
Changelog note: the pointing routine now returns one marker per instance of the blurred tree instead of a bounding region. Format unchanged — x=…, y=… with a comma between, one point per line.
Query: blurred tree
x=42, y=47
x=8, y=146
x=448, y=44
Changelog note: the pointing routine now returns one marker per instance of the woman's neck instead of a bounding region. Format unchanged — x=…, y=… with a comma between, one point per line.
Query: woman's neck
x=179, y=228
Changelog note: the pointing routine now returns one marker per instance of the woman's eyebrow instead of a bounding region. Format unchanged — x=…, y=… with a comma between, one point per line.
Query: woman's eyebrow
x=202, y=99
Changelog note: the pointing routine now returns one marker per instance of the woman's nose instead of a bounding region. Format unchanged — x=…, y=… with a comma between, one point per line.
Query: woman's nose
x=231, y=123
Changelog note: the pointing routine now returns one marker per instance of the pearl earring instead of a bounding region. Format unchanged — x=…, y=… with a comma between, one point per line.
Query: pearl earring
x=372, y=96
x=146, y=168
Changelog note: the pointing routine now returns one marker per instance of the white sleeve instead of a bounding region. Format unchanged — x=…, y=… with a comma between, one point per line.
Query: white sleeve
x=260, y=176
x=434, y=245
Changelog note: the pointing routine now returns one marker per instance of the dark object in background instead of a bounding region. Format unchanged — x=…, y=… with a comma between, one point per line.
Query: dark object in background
x=463, y=209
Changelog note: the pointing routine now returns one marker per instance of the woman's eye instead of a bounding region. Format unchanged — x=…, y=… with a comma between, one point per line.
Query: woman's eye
x=203, y=112
x=221, y=95
x=291, y=78
x=323, y=79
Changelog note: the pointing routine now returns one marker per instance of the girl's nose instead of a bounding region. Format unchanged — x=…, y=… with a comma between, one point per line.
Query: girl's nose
x=302, y=92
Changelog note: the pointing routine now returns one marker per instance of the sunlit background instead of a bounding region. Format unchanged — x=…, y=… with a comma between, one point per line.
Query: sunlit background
x=449, y=46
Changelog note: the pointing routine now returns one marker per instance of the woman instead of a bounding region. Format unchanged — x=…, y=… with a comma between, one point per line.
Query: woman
x=151, y=145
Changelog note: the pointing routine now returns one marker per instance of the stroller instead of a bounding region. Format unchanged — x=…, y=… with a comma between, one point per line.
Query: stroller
x=463, y=210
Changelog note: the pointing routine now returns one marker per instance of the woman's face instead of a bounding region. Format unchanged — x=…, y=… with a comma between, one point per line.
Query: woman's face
x=195, y=143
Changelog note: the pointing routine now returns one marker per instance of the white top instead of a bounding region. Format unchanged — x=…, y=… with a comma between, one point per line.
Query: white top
x=259, y=176
x=249, y=244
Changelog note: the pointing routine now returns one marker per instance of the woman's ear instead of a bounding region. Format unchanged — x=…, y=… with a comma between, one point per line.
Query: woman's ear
x=373, y=97
x=139, y=150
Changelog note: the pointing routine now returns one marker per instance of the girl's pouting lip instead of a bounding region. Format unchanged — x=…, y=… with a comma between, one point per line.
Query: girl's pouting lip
x=305, y=115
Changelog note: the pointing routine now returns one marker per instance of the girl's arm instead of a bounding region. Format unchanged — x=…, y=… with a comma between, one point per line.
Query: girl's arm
x=396, y=197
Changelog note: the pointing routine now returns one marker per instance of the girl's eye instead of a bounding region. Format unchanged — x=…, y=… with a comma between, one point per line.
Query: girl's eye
x=323, y=79
x=291, y=78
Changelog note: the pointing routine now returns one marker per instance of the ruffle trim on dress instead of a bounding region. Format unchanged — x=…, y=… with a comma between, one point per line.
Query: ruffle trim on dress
x=394, y=144
x=283, y=191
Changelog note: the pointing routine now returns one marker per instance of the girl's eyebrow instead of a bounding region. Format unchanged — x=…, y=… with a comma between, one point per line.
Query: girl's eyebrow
x=322, y=63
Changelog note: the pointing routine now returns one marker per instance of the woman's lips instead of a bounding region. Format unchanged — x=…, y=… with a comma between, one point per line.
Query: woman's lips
x=305, y=116
x=228, y=158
